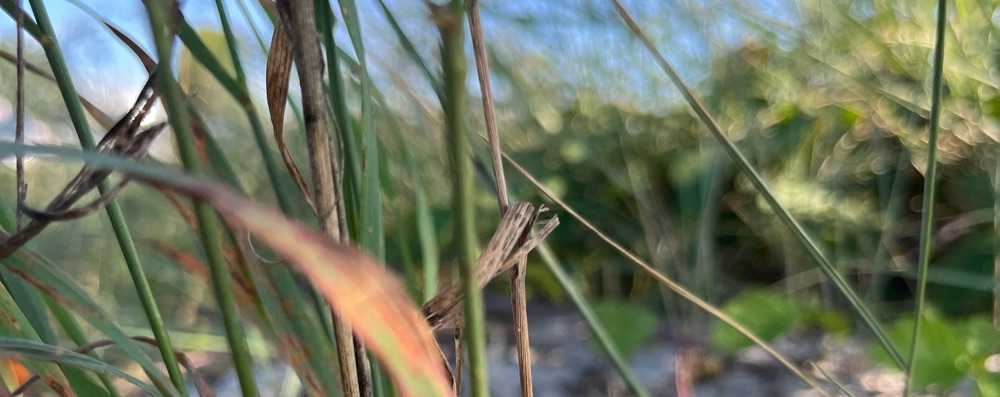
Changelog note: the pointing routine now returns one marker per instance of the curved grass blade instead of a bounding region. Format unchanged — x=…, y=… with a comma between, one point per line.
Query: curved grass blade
x=793, y=225
x=13, y=324
x=43, y=275
x=31, y=304
x=278, y=72
x=25, y=349
x=354, y=284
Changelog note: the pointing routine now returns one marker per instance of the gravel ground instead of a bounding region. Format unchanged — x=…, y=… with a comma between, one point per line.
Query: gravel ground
x=565, y=364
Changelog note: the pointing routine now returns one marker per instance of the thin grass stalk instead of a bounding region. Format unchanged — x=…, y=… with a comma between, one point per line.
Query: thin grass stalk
x=161, y=23
x=996, y=245
x=298, y=16
x=350, y=173
x=705, y=246
x=357, y=186
x=930, y=189
x=595, y=325
x=425, y=225
x=653, y=223
x=811, y=246
x=673, y=285
x=22, y=188
x=450, y=22
x=370, y=234
x=270, y=164
x=64, y=80
x=840, y=385
x=492, y=136
x=517, y=273
x=280, y=277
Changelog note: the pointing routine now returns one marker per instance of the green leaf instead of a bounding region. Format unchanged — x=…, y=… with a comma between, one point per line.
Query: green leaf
x=940, y=351
x=765, y=313
x=628, y=325
x=988, y=386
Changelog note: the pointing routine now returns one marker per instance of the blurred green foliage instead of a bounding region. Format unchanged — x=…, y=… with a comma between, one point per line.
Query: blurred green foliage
x=831, y=106
x=949, y=350
x=629, y=326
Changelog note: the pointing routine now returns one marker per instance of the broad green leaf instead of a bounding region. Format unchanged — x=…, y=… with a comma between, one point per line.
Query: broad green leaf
x=941, y=353
x=629, y=325
x=766, y=314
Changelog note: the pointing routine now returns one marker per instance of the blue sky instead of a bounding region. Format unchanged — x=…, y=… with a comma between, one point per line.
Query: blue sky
x=583, y=41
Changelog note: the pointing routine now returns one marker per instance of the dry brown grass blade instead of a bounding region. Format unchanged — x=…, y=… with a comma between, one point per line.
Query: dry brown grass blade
x=517, y=272
x=278, y=72
x=500, y=254
x=147, y=61
x=359, y=289
x=299, y=16
x=124, y=138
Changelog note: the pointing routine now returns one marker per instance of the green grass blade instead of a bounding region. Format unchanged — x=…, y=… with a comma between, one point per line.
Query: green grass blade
x=996, y=245
x=21, y=349
x=786, y=218
x=30, y=303
x=829, y=376
x=293, y=317
x=237, y=88
x=371, y=237
x=930, y=189
x=75, y=333
x=42, y=275
x=451, y=22
x=595, y=325
x=13, y=324
x=29, y=24
x=370, y=233
x=176, y=110
x=351, y=162
x=204, y=55
x=66, y=87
